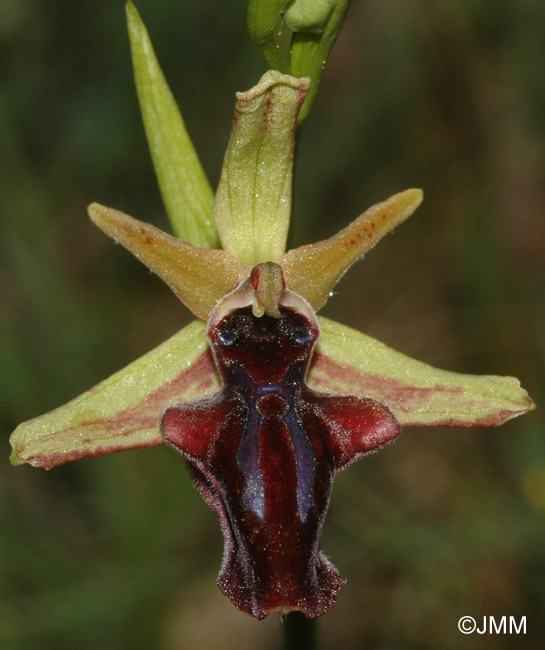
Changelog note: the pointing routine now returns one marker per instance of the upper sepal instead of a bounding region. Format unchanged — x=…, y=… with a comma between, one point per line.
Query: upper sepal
x=347, y=361
x=253, y=201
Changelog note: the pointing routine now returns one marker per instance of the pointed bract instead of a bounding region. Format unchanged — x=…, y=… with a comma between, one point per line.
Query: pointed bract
x=419, y=395
x=124, y=411
x=253, y=201
x=334, y=256
x=186, y=192
x=199, y=277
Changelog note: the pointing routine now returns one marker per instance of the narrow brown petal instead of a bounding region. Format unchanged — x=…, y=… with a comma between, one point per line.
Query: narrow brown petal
x=199, y=277
x=313, y=270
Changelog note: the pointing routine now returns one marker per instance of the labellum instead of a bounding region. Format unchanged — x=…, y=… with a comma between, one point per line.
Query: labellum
x=264, y=449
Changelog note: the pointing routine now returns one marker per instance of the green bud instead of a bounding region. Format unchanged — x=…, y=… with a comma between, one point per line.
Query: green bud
x=309, y=16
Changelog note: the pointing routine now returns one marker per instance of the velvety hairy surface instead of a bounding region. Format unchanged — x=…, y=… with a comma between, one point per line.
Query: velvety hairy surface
x=264, y=451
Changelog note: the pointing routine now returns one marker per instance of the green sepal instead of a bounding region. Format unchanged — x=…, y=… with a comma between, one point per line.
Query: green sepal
x=253, y=201
x=349, y=362
x=124, y=411
x=186, y=192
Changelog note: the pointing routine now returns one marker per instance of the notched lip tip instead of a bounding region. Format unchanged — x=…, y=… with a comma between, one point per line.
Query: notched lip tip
x=530, y=406
x=15, y=459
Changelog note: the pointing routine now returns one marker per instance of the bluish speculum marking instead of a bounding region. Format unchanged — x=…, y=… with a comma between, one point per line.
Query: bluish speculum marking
x=265, y=401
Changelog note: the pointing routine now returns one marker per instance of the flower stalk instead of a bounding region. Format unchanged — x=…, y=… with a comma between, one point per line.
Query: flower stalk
x=300, y=632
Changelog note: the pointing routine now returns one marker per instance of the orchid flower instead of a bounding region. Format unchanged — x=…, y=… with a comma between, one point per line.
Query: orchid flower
x=264, y=400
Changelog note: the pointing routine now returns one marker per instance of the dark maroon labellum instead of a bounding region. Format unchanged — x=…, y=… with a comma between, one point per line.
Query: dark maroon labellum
x=264, y=451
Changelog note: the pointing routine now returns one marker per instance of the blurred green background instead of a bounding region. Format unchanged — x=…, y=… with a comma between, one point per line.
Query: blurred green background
x=120, y=552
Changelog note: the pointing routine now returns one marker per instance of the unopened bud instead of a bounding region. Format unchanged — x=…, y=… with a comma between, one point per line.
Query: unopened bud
x=309, y=16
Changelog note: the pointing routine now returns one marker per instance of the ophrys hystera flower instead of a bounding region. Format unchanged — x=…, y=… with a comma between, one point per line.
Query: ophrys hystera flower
x=264, y=400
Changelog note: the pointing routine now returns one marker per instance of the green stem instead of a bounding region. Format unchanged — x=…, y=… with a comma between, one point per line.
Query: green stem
x=309, y=53
x=299, y=632
x=263, y=21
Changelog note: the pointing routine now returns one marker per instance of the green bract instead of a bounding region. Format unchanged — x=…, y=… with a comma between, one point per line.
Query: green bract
x=186, y=192
x=251, y=214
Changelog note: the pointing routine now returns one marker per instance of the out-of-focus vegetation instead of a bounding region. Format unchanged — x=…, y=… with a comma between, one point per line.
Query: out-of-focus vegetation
x=119, y=552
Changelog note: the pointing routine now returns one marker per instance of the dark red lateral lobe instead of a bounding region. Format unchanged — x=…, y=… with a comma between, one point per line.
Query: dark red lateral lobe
x=263, y=452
